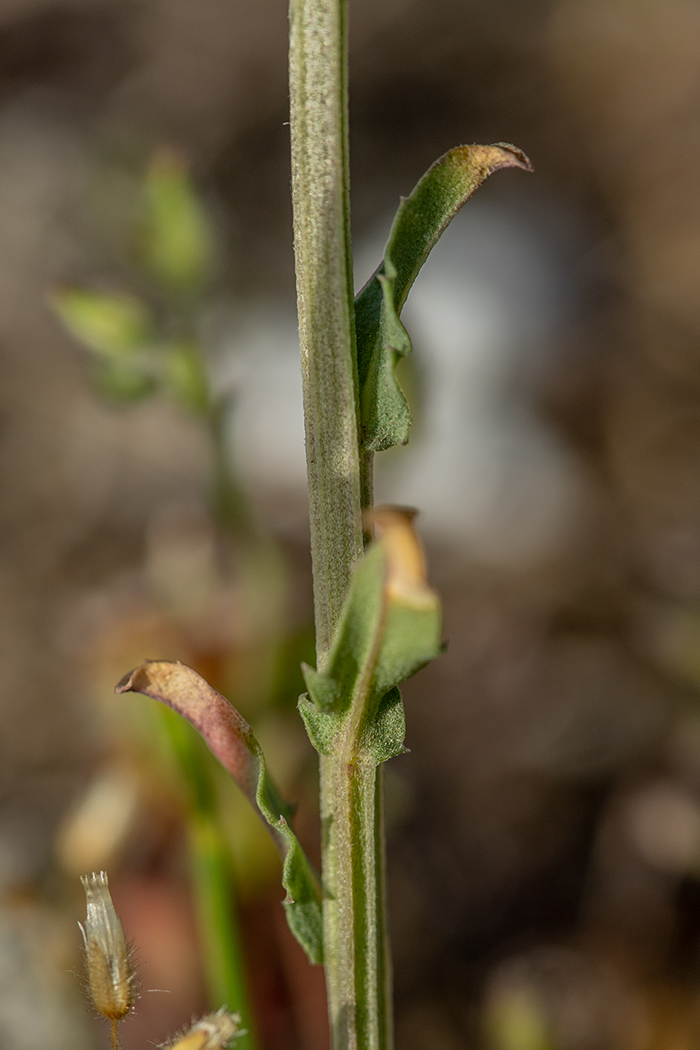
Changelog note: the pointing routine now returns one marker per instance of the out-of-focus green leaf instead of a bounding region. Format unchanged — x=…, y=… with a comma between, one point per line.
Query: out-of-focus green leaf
x=184, y=376
x=231, y=740
x=390, y=627
x=122, y=381
x=422, y=218
x=177, y=244
x=111, y=324
x=516, y=1019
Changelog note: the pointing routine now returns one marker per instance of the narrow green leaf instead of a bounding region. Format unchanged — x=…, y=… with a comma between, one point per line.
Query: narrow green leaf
x=177, y=243
x=231, y=740
x=111, y=324
x=390, y=627
x=421, y=220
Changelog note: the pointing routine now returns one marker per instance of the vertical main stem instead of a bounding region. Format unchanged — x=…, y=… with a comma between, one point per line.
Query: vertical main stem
x=358, y=962
x=358, y=973
x=320, y=198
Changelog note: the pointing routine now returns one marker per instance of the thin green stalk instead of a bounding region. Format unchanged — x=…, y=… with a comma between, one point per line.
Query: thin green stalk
x=218, y=925
x=211, y=877
x=358, y=974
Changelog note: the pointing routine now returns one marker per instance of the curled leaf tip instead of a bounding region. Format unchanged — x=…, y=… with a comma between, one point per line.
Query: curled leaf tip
x=421, y=220
x=512, y=156
x=387, y=512
x=129, y=683
x=225, y=731
x=407, y=574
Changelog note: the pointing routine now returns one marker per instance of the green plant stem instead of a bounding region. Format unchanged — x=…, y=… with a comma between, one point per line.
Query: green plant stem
x=217, y=922
x=320, y=198
x=211, y=876
x=357, y=964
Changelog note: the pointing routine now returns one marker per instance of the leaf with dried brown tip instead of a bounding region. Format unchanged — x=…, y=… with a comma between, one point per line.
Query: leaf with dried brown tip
x=390, y=627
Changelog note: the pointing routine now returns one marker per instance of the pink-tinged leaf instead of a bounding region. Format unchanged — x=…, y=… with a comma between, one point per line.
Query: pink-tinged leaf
x=232, y=742
x=226, y=732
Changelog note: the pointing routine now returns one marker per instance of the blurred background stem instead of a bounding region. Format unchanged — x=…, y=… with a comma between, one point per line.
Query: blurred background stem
x=228, y=501
x=218, y=925
x=212, y=882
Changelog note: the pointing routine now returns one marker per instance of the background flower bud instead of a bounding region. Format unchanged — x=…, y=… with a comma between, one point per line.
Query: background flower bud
x=110, y=974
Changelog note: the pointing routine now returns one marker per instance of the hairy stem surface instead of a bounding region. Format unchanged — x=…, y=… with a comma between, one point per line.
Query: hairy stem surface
x=354, y=912
x=318, y=120
x=358, y=971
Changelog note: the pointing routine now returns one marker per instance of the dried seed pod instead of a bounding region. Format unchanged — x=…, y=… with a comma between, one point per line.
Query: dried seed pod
x=110, y=973
x=213, y=1032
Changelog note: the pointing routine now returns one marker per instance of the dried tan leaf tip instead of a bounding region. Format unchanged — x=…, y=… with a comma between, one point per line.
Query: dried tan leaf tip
x=406, y=569
x=110, y=973
x=213, y=1032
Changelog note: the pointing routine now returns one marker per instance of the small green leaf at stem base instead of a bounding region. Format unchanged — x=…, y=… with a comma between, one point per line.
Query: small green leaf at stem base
x=422, y=218
x=231, y=740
